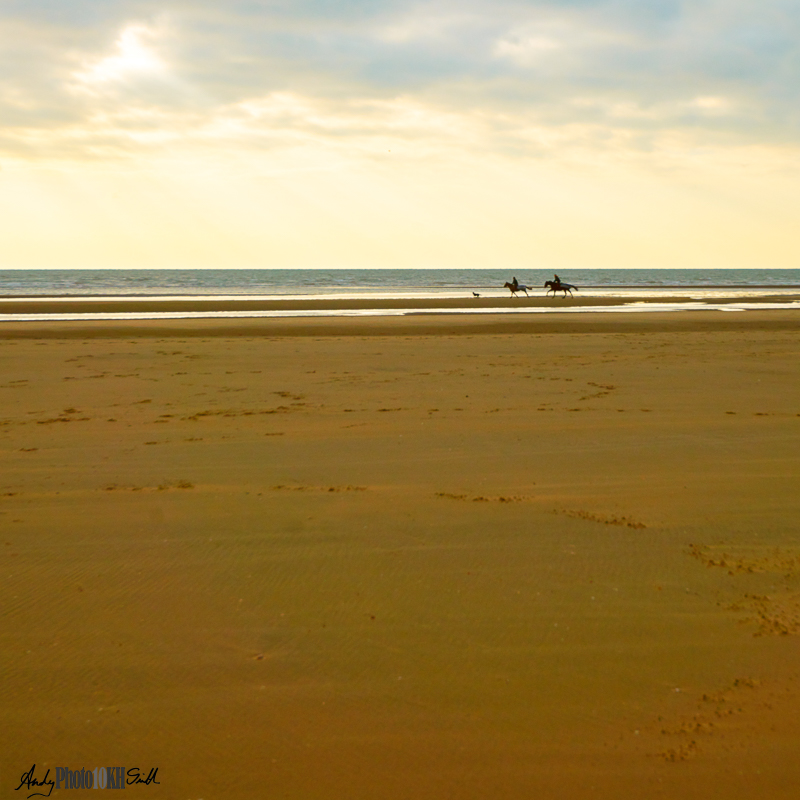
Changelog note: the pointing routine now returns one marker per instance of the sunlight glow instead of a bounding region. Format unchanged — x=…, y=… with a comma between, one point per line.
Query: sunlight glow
x=132, y=57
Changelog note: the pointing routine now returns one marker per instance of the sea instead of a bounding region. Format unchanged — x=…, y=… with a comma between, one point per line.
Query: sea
x=693, y=288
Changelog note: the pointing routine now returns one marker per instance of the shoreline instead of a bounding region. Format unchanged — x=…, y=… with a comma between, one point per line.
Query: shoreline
x=413, y=325
x=458, y=313
x=351, y=293
x=53, y=304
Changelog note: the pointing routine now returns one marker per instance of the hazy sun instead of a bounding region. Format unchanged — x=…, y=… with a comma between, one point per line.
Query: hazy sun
x=132, y=56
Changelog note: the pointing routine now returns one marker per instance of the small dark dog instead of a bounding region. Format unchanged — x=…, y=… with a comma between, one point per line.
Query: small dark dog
x=475, y=294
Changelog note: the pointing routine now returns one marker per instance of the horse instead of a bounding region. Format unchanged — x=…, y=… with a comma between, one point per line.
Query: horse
x=553, y=286
x=517, y=287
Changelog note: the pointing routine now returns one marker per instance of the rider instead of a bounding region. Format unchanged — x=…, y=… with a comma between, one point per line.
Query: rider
x=556, y=279
x=515, y=283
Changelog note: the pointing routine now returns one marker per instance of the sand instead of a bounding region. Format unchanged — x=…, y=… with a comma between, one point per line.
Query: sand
x=417, y=557
x=426, y=305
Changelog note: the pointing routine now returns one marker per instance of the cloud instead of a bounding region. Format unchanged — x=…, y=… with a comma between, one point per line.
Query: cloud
x=121, y=76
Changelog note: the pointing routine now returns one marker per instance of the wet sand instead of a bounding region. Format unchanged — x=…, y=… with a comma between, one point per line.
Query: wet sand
x=551, y=557
x=580, y=299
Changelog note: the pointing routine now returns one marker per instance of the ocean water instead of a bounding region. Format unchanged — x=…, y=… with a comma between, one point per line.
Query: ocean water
x=283, y=283
x=692, y=289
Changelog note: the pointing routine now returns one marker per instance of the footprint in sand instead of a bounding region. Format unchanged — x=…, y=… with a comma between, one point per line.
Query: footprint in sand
x=712, y=719
x=483, y=499
x=303, y=488
x=774, y=614
x=627, y=522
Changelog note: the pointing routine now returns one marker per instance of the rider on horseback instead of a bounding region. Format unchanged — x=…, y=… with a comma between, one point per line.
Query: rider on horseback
x=515, y=286
x=556, y=285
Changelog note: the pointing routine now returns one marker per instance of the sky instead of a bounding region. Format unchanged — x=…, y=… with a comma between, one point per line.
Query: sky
x=389, y=133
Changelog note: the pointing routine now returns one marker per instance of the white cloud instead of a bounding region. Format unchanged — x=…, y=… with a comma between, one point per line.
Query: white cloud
x=526, y=50
x=451, y=75
x=423, y=25
x=711, y=105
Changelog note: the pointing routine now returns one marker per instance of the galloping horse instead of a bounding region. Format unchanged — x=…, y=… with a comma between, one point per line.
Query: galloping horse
x=557, y=286
x=517, y=287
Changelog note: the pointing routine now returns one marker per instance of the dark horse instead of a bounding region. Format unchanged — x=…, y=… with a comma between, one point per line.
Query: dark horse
x=557, y=286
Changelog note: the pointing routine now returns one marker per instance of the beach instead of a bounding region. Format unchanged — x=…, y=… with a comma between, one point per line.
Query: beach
x=441, y=556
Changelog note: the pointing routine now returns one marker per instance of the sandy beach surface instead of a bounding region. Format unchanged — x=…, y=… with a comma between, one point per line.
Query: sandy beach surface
x=419, y=557
x=425, y=305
